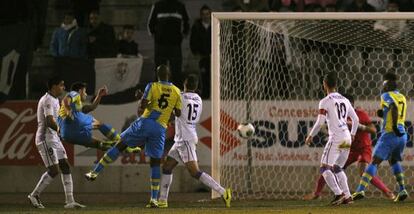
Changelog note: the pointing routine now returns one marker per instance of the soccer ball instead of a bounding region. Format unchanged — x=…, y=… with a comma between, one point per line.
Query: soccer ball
x=246, y=130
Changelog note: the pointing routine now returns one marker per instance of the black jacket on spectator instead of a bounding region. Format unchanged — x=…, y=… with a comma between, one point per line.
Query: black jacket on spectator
x=168, y=21
x=105, y=44
x=200, y=39
x=200, y=44
x=128, y=48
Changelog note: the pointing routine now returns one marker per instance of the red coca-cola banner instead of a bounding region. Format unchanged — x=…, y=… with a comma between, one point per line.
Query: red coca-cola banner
x=18, y=124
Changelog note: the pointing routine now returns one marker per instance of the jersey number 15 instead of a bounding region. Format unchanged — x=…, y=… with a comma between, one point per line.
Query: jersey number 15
x=192, y=112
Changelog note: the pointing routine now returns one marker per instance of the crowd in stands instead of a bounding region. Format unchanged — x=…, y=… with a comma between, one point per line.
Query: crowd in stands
x=82, y=34
x=96, y=41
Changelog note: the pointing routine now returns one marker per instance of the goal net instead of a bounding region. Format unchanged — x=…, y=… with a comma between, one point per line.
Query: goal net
x=268, y=70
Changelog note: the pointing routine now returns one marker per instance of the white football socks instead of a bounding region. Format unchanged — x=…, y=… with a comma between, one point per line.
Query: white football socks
x=44, y=181
x=331, y=181
x=166, y=180
x=68, y=187
x=210, y=182
x=343, y=183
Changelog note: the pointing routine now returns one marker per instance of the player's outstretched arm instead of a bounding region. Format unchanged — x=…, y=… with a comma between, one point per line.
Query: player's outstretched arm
x=102, y=92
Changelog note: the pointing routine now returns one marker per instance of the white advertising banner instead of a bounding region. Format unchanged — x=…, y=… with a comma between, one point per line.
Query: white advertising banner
x=281, y=128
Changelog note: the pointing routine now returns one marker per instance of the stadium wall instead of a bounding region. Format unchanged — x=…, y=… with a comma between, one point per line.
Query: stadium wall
x=21, y=166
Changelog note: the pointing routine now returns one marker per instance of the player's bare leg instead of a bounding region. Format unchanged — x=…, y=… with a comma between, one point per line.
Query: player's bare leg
x=320, y=183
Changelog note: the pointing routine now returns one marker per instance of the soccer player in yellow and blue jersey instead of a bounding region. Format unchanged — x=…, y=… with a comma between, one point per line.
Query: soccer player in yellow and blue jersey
x=159, y=100
x=76, y=124
x=390, y=145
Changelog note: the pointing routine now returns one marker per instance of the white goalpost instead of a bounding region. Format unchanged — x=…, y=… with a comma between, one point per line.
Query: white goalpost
x=267, y=70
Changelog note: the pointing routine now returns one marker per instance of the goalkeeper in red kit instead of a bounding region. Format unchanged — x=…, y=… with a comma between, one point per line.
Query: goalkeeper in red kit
x=361, y=151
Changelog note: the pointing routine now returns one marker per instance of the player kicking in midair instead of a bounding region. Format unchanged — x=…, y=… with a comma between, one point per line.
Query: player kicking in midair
x=361, y=151
x=184, y=148
x=160, y=99
x=335, y=109
x=76, y=124
x=50, y=148
x=390, y=145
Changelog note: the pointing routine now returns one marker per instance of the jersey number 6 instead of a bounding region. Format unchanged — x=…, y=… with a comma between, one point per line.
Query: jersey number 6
x=163, y=102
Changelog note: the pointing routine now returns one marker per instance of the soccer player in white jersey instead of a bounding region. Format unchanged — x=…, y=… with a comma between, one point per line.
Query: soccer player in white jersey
x=184, y=148
x=50, y=147
x=335, y=109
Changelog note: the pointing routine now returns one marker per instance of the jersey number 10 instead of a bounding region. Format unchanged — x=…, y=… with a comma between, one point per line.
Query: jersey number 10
x=341, y=109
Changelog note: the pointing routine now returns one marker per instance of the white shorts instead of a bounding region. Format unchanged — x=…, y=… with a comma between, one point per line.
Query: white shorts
x=51, y=152
x=336, y=153
x=183, y=151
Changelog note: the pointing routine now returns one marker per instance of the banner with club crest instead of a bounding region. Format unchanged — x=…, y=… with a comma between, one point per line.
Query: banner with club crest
x=118, y=74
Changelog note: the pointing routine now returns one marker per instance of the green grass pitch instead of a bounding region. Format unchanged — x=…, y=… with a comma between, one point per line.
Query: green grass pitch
x=189, y=204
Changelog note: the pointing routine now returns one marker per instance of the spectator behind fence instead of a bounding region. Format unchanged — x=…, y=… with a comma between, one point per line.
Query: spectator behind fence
x=101, y=38
x=127, y=47
x=168, y=24
x=68, y=40
x=200, y=44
